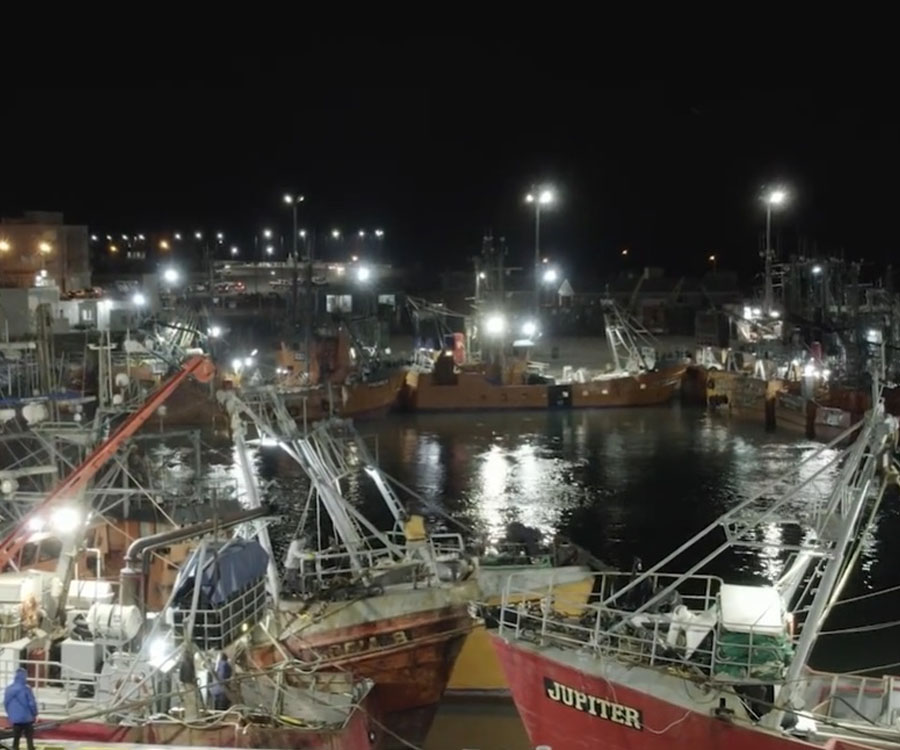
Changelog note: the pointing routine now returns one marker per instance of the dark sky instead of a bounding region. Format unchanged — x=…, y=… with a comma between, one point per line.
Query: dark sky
x=671, y=173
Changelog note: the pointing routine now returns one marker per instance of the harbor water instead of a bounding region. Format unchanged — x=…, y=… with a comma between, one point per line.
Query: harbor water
x=624, y=484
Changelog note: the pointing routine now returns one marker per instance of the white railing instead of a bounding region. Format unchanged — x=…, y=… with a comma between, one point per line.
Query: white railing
x=327, y=569
x=606, y=625
x=66, y=684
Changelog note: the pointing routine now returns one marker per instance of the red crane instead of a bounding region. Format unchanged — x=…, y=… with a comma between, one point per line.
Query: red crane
x=199, y=366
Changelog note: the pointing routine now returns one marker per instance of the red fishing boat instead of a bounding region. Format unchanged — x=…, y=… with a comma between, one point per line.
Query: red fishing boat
x=666, y=660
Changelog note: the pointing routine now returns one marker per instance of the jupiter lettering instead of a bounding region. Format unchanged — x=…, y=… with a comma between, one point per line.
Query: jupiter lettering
x=593, y=705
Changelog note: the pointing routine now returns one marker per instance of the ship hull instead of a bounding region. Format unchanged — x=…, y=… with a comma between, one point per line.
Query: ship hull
x=473, y=391
x=646, y=389
x=407, y=649
x=358, y=401
x=575, y=703
x=356, y=734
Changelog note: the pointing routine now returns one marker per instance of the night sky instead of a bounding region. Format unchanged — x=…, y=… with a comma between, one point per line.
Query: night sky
x=673, y=175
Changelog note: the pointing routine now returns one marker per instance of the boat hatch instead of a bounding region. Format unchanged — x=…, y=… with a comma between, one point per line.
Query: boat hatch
x=757, y=609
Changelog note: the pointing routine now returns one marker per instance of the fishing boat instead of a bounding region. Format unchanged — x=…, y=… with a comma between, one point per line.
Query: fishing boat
x=345, y=379
x=117, y=651
x=392, y=607
x=636, y=377
x=477, y=672
x=660, y=659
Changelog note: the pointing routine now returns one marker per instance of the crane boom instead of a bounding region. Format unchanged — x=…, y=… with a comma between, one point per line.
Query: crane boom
x=199, y=366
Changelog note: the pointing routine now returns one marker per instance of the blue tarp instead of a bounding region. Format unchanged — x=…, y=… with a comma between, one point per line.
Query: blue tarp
x=227, y=570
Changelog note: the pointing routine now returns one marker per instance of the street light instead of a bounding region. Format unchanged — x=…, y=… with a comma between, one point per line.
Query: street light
x=362, y=233
x=495, y=325
x=363, y=274
x=816, y=269
x=141, y=237
x=234, y=250
x=267, y=233
x=177, y=236
x=139, y=299
x=336, y=234
x=45, y=247
x=379, y=233
x=775, y=197
x=198, y=235
x=5, y=246
x=170, y=276
x=712, y=259
x=539, y=197
x=220, y=236
x=163, y=244
x=302, y=234
x=93, y=238
x=529, y=328
x=270, y=250
x=550, y=276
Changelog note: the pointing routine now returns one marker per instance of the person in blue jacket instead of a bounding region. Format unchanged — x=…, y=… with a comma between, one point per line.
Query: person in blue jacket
x=219, y=688
x=21, y=709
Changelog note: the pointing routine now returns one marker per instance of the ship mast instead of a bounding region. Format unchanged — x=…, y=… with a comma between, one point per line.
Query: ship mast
x=856, y=484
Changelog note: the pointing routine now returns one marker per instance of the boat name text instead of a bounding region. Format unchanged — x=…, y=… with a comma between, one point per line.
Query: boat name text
x=372, y=643
x=593, y=705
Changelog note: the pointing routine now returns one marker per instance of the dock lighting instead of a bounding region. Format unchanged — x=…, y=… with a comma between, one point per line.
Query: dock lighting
x=267, y=233
x=220, y=236
x=45, y=247
x=816, y=269
x=482, y=275
x=4, y=246
x=362, y=232
x=113, y=249
x=177, y=236
x=141, y=237
x=163, y=244
x=363, y=274
x=109, y=238
x=236, y=364
x=624, y=252
x=170, y=276
x=93, y=238
x=270, y=250
x=529, y=328
x=776, y=197
x=139, y=299
x=495, y=325
x=543, y=197
x=248, y=361
x=125, y=237
x=550, y=276
x=65, y=520
x=288, y=198
x=354, y=258
x=234, y=249
x=335, y=234
x=198, y=235
x=379, y=233
x=215, y=332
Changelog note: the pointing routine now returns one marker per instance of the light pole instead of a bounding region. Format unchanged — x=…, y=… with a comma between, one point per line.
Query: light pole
x=538, y=197
x=773, y=198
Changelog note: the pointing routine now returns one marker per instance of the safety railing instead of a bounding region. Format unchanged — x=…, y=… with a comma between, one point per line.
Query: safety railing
x=56, y=686
x=217, y=627
x=845, y=697
x=683, y=631
x=413, y=561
